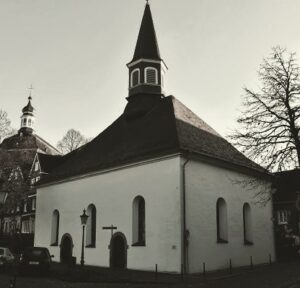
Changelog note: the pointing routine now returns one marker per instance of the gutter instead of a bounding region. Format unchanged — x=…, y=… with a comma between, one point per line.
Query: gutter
x=184, y=232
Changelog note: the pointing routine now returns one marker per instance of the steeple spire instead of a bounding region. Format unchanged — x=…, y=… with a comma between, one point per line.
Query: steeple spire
x=146, y=69
x=27, y=118
x=147, y=46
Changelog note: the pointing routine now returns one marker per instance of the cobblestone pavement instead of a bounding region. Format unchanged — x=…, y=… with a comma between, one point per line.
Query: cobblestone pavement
x=282, y=275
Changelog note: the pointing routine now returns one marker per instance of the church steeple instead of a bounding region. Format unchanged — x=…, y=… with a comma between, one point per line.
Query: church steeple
x=147, y=46
x=146, y=69
x=27, y=118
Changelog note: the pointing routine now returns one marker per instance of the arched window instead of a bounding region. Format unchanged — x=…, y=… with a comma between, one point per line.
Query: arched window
x=248, y=237
x=151, y=75
x=91, y=226
x=138, y=222
x=55, y=228
x=24, y=121
x=222, y=231
x=29, y=122
x=135, y=77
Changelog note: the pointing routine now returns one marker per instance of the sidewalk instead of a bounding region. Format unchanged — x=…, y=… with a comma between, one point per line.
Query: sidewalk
x=279, y=275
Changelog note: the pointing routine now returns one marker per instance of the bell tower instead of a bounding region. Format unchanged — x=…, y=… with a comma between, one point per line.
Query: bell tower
x=146, y=70
x=27, y=118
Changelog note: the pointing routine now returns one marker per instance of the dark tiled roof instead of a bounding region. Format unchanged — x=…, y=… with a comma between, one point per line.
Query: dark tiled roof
x=10, y=159
x=287, y=183
x=146, y=46
x=168, y=127
x=28, y=141
x=49, y=162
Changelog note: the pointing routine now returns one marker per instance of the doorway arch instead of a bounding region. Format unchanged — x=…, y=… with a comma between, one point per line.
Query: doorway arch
x=118, y=251
x=66, y=249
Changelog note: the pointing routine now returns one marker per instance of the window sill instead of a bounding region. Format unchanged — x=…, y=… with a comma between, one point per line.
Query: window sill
x=90, y=246
x=54, y=244
x=248, y=243
x=139, y=244
x=222, y=241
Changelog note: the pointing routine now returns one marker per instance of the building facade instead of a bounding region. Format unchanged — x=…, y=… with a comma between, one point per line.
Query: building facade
x=19, y=171
x=172, y=188
x=286, y=201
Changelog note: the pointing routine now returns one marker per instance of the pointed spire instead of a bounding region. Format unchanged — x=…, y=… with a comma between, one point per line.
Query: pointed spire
x=147, y=46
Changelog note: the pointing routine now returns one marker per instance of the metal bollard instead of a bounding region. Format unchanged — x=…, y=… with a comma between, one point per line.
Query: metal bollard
x=230, y=266
x=204, y=270
x=270, y=259
x=251, y=263
x=156, y=272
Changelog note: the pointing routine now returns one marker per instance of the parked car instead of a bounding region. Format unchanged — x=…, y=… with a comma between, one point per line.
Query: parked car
x=35, y=258
x=6, y=257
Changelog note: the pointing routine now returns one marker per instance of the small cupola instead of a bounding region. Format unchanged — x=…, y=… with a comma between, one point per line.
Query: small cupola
x=146, y=69
x=27, y=118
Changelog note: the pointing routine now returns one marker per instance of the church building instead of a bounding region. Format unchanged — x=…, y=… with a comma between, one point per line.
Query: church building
x=19, y=171
x=173, y=190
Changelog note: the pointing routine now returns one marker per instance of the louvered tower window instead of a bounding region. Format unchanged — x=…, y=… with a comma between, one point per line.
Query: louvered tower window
x=135, y=77
x=151, y=76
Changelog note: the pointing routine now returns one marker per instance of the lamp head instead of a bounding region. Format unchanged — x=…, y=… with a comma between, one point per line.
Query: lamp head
x=84, y=218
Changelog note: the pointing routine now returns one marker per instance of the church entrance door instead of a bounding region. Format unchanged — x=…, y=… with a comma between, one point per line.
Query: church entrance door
x=118, y=251
x=66, y=249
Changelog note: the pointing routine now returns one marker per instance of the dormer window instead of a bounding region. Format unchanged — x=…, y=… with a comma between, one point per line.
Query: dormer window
x=151, y=76
x=135, y=77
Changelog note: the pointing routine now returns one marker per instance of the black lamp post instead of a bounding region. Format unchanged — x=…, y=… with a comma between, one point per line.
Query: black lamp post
x=83, y=219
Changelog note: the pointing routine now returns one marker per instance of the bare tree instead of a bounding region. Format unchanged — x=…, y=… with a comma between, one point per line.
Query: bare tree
x=71, y=141
x=269, y=132
x=5, y=128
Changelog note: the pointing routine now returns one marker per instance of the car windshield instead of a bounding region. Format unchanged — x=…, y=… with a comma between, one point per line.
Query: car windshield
x=1, y=251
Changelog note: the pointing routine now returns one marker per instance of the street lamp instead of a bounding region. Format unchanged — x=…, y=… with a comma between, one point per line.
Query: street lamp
x=83, y=219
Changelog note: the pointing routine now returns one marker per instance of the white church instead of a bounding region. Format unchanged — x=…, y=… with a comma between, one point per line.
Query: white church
x=170, y=186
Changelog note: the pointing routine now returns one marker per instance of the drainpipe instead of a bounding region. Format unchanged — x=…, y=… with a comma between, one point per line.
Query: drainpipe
x=184, y=230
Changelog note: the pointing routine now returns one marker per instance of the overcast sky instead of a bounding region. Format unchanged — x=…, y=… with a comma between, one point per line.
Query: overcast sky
x=74, y=53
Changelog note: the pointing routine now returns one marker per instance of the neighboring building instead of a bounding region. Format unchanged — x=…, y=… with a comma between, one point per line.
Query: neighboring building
x=174, y=188
x=286, y=201
x=19, y=171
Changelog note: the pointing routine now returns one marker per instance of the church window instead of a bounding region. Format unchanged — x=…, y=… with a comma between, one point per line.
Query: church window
x=222, y=231
x=33, y=204
x=282, y=217
x=151, y=76
x=135, y=77
x=91, y=226
x=25, y=227
x=55, y=228
x=24, y=121
x=25, y=206
x=248, y=240
x=29, y=122
x=138, y=229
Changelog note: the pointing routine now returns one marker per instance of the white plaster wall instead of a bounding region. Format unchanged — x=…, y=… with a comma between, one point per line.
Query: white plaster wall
x=113, y=193
x=204, y=185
